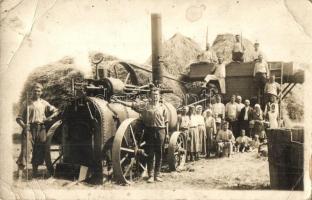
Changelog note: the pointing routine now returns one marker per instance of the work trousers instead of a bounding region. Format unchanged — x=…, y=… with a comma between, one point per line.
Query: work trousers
x=238, y=56
x=36, y=144
x=260, y=81
x=154, y=140
x=225, y=148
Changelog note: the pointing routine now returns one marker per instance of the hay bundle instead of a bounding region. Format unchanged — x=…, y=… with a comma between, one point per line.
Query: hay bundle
x=56, y=79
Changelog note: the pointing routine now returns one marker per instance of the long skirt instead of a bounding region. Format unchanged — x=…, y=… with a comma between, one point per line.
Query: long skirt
x=202, y=138
x=193, y=143
x=210, y=139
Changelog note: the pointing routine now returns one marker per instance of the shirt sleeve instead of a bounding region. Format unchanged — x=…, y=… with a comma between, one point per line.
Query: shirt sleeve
x=50, y=108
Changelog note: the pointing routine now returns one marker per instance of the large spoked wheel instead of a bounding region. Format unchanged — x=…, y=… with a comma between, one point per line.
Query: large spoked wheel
x=129, y=155
x=177, y=151
x=53, y=148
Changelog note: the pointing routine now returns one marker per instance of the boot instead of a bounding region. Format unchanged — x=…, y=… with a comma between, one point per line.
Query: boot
x=35, y=171
x=158, y=179
x=150, y=179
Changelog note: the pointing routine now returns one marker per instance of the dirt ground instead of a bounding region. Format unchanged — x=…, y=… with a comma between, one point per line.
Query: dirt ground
x=241, y=171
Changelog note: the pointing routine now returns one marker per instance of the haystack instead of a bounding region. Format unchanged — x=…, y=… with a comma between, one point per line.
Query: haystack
x=178, y=52
x=56, y=79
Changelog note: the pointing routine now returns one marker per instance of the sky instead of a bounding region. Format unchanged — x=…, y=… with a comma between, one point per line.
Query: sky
x=37, y=32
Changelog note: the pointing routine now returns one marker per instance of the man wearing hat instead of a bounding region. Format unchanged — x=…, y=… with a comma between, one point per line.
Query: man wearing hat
x=219, y=74
x=154, y=116
x=38, y=111
x=238, y=50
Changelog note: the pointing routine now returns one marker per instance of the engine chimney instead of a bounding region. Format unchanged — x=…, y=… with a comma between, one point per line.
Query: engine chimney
x=157, y=65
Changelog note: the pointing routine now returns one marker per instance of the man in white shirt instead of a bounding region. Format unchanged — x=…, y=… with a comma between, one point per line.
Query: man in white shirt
x=271, y=88
x=218, y=111
x=219, y=74
x=225, y=140
x=256, y=52
x=231, y=114
x=261, y=73
x=240, y=105
x=238, y=50
x=218, y=108
x=242, y=142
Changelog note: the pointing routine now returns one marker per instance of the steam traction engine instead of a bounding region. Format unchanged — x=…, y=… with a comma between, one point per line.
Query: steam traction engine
x=107, y=137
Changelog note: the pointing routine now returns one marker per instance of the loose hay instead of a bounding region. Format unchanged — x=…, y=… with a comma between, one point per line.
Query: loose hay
x=56, y=79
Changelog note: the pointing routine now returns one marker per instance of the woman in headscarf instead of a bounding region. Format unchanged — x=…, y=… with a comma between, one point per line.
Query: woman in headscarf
x=193, y=135
x=257, y=117
x=201, y=130
x=211, y=129
x=272, y=116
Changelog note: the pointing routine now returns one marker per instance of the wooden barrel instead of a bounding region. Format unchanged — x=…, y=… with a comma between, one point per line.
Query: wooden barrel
x=286, y=155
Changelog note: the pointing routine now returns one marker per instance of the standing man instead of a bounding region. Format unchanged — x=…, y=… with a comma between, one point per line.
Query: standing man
x=240, y=105
x=238, y=50
x=219, y=74
x=256, y=52
x=245, y=117
x=37, y=110
x=218, y=111
x=261, y=73
x=271, y=88
x=231, y=115
x=154, y=116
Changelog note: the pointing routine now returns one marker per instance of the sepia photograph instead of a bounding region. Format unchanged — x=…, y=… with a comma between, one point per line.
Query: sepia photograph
x=136, y=99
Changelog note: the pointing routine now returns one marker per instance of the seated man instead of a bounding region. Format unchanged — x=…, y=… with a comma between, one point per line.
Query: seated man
x=242, y=142
x=225, y=140
x=238, y=50
x=219, y=74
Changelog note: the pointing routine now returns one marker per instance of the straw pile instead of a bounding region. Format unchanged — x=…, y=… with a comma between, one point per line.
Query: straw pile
x=56, y=79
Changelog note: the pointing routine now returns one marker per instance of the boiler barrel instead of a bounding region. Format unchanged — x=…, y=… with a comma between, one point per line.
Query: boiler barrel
x=286, y=156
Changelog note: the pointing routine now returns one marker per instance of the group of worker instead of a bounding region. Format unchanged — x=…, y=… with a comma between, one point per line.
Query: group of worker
x=233, y=126
x=261, y=70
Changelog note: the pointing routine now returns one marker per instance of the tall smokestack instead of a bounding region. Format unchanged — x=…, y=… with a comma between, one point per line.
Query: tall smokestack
x=157, y=65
